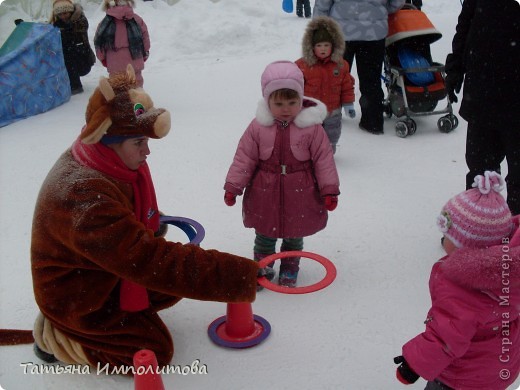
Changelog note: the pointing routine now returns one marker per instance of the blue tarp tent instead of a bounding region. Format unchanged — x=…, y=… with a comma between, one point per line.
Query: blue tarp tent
x=33, y=77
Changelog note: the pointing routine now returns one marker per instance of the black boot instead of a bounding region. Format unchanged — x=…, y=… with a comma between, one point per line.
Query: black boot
x=46, y=357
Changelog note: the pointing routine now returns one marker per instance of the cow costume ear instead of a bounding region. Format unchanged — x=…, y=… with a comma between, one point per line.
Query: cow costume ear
x=131, y=73
x=106, y=89
x=99, y=120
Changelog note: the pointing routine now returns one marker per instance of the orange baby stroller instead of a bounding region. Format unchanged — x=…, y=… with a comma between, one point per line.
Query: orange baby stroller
x=415, y=83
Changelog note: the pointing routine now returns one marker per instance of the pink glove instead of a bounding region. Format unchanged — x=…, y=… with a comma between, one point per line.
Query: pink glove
x=229, y=198
x=331, y=202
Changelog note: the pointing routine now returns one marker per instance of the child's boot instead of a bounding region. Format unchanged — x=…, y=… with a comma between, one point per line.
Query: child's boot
x=289, y=268
x=269, y=271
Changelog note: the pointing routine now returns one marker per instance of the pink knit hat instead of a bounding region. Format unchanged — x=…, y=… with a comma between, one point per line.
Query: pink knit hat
x=280, y=75
x=479, y=217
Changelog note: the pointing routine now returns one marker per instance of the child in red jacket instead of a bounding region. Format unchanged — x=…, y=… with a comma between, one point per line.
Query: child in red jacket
x=327, y=75
x=473, y=326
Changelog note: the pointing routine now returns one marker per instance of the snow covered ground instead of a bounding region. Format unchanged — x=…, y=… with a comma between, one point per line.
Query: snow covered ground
x=205, y=66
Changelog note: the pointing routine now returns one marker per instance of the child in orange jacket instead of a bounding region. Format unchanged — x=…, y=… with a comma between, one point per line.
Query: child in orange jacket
x=327, y=75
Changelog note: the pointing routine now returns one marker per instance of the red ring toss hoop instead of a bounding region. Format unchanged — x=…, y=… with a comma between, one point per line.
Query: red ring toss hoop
x=326, y=281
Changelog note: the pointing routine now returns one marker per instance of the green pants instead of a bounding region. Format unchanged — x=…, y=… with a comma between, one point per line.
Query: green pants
x=265, y=246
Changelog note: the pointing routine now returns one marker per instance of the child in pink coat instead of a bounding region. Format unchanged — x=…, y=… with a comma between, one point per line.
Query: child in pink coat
x=122, y=38
x=286, y=166
x=472, y=336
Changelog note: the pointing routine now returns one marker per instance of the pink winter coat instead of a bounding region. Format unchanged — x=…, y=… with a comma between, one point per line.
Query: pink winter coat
x=472, y=336
x=118, y=58
x=284, y=205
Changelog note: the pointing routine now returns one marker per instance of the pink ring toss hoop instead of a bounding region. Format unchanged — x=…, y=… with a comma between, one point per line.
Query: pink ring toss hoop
x=326, y=263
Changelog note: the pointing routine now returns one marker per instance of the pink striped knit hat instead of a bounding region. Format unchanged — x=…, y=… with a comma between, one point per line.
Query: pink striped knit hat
x=479, y=217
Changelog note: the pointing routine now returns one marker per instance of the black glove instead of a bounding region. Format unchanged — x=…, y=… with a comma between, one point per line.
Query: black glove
x=454, y=78
x=453, y=85
x=404, y=373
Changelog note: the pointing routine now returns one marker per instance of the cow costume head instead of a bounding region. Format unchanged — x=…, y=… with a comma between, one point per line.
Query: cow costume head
x=118, y=108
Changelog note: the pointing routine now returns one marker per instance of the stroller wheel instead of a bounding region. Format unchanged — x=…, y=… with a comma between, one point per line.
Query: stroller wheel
x=402, y=129
x=455, y=121
x=445, y=124
x=412, y=127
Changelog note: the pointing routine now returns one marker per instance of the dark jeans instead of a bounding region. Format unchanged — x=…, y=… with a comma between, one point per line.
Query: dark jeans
x=303, y=5
x=436, y=385
x=70, y=64
x=369, y=56
x=488, y=143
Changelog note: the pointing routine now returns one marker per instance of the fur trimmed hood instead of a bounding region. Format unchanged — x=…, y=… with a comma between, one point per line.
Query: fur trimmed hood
x=484, y=269
x=312, y=113
x=333, y=28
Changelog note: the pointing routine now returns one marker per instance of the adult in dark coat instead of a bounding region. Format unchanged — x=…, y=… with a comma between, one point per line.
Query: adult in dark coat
x=486, y=54
x=77, y=53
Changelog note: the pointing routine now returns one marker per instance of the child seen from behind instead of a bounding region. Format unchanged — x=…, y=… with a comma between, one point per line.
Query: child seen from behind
x=122, y=38
x=469, y=322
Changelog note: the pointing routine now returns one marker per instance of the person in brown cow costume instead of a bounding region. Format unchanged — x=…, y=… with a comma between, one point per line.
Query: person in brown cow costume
x=100, y=272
